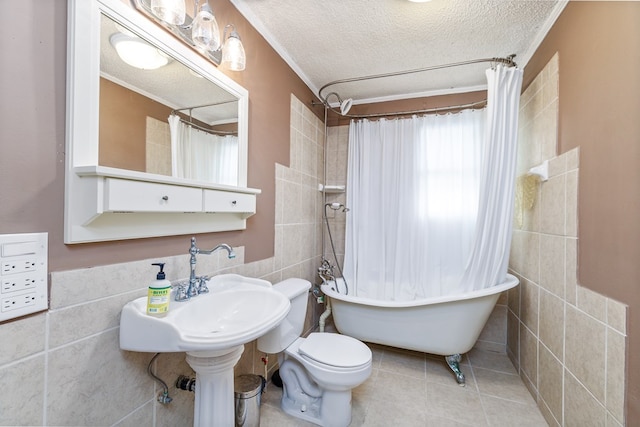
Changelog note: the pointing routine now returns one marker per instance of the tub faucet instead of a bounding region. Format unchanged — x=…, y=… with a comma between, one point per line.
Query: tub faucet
x=325, y=271
x=198, y=285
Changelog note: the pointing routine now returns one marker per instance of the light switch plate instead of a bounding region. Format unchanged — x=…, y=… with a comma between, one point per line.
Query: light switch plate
x=23, y=274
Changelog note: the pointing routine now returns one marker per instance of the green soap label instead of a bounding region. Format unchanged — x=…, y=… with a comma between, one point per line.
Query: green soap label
x=158, y=300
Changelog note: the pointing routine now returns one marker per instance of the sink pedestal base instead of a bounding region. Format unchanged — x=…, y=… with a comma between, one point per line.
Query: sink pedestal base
x=214, y=400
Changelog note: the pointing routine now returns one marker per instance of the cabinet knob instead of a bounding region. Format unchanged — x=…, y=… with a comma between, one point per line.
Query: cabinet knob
x=165, y=198
x=233, y=202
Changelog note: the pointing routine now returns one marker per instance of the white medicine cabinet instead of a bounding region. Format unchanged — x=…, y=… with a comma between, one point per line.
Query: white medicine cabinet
x=104, y=201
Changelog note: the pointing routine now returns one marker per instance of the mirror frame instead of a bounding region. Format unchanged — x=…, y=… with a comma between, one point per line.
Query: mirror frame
x=82, y=127
x=83, y=71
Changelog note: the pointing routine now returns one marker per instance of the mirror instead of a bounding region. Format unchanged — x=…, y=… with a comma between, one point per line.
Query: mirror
x=120, y=112
x=127, y=170
x=135, y=104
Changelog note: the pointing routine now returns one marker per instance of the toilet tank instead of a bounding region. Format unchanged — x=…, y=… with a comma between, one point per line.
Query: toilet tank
x=290, y=329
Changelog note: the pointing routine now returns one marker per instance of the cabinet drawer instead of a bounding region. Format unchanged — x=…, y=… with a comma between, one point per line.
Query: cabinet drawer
x=138, y=196
x=225, y=201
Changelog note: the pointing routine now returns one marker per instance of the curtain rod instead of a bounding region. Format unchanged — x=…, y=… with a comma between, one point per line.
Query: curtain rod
x=211, y=131
x=507, y=61
x=203, y=105
x=472, y=105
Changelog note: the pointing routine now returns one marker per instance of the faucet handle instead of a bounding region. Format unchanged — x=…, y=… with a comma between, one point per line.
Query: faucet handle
x=181, y=293
x=202, y=284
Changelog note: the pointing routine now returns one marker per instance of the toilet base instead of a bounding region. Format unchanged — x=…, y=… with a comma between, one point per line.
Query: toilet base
x=333, y=409
x=308, y=410
x=302, y=398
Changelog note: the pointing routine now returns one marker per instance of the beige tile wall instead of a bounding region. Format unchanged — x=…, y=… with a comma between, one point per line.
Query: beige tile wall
x=567, y=341
x=337, y=156
x=65, y=367
x=158, y=147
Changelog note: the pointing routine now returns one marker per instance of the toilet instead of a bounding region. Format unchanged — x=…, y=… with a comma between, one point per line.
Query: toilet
x=318, y=372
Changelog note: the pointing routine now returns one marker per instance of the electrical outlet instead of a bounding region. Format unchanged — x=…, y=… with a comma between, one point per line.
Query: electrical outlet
x=19, y=266
x=19, y=282
x=23, y=274
x=18, y=302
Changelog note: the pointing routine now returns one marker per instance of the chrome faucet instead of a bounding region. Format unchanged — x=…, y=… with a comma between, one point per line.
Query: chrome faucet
x=325, y=271
x=198, y=285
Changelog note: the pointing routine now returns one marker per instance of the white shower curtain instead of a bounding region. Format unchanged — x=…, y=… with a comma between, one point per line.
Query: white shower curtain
x=201, y=155
x=489, y=258
x=178, y=134
x=414, y=190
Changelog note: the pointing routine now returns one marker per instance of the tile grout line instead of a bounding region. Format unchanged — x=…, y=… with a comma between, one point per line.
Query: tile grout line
x=477, y=391
x=46, y=371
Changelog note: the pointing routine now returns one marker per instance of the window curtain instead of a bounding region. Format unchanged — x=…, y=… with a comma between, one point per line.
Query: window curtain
x=202, y=156
x=431, y=198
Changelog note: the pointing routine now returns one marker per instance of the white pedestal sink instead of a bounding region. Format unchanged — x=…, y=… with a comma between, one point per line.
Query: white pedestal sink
x=212, y=328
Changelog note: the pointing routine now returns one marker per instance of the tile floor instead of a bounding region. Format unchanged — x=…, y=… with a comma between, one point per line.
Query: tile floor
x=408, y=388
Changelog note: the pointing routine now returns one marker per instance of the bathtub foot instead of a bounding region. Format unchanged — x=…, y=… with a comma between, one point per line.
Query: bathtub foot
x=454, y=363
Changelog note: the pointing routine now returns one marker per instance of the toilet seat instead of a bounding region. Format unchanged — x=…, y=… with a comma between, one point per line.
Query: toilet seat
x=335, y=350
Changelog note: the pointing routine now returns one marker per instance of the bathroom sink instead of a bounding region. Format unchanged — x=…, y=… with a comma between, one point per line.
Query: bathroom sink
x=236, y=310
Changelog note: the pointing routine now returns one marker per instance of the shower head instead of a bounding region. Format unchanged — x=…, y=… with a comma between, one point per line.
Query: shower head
x=337, y=206
x=345, y=105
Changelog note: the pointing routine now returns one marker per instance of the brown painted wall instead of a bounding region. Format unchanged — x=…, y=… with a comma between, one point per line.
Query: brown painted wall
x=599, y=51
x=124, y=146
x=32, y=137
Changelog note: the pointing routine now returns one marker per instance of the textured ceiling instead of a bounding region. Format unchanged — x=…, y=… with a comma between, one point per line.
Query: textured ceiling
x=328, y=40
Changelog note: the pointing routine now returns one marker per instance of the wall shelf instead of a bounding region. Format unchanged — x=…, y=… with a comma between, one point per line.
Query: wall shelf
x=331, y=188
x=116, y=204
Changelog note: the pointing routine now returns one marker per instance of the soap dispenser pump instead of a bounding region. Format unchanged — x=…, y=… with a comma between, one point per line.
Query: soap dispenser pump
x=158, y=294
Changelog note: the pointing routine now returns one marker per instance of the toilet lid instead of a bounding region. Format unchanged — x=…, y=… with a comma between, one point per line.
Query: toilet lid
x=335, y=350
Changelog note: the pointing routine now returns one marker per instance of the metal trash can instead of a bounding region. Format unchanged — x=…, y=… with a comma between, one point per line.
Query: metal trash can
x=247, y=394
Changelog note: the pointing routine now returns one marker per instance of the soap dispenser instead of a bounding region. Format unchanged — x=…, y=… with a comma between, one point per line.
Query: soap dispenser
x=158, y=295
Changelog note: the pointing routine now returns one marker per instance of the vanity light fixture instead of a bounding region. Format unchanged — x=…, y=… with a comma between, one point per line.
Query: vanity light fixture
x=137, y=53
x=201, y=32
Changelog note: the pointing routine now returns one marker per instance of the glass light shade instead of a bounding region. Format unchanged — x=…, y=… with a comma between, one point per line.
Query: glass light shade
x=205, y=33
x=233, y=55
x=137, y=53
x=170, y=11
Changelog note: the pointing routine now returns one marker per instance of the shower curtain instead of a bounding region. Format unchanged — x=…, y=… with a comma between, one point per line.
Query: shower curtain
x=203, y=156
x=419, y=190
x=489, y=258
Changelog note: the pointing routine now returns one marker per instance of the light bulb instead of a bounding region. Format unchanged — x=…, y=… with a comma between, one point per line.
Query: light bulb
x=205, y=32
x=137, y=53
x=170, y=11
x=233, y=53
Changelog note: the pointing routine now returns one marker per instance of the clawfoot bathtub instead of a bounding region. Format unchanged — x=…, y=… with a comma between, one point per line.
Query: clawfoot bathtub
x=447, y=325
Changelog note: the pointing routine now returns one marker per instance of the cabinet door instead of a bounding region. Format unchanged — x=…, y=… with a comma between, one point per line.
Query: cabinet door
x=123, y=195
x=225, y=201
